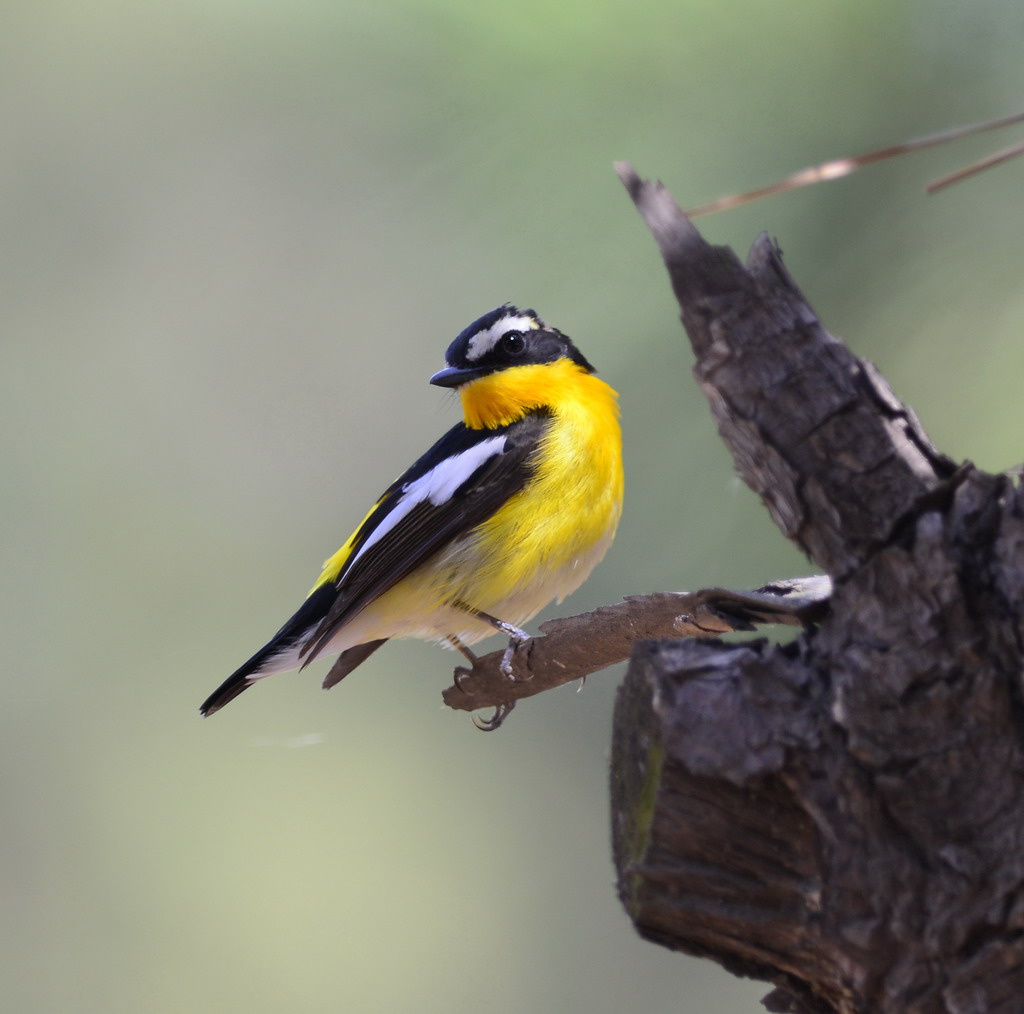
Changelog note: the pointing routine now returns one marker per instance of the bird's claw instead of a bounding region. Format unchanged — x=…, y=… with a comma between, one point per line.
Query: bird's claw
x=501, y=712
x=460, y=676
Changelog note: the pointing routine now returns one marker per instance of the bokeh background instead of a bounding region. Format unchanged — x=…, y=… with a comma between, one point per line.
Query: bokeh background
x=236, y=238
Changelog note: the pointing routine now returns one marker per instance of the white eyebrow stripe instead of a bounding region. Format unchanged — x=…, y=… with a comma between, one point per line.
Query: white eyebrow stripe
x=483, y=341
x=438, y=486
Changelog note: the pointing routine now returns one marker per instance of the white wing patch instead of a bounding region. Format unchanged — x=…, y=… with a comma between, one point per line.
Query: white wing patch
x=438, y=485
x=483, y=341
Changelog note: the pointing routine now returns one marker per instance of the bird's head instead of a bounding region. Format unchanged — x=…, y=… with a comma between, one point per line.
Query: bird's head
x=504, y=339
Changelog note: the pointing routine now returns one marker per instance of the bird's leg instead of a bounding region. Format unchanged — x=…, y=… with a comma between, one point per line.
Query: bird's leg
x=514, y=640
x=515, y=636
x=461, y=672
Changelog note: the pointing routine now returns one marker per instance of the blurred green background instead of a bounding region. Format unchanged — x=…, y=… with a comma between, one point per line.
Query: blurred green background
x=236, y=239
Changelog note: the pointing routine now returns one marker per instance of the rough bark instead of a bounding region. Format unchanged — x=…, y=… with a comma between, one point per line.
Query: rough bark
x=843, y=815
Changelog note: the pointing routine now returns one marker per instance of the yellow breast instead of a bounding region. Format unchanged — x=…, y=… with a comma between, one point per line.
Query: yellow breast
x=545, y=541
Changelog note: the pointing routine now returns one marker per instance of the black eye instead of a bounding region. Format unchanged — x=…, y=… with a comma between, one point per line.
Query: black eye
x=514, y=343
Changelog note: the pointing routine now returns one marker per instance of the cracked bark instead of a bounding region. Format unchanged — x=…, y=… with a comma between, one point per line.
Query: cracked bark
x=841, y=816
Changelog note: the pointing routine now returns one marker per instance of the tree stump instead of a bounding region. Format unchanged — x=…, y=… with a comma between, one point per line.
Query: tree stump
x=842, y=815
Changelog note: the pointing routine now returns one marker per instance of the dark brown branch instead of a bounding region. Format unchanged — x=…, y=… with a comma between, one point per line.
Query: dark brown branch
x=573, y=647
x=813, y=429
x=841, y=815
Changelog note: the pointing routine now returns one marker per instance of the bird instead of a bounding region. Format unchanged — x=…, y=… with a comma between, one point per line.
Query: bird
x=511, y=509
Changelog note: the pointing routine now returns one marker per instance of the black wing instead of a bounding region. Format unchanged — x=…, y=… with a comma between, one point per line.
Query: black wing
x=427, y=527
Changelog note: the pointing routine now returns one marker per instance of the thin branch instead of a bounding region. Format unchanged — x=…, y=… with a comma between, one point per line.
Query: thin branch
x=836, y=169
x=574, y=647
x=974, y=168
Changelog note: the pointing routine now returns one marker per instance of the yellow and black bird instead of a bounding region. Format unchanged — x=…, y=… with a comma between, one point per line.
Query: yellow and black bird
x=510, y=509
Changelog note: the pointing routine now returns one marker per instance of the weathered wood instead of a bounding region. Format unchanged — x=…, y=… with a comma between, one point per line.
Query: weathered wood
x=842, y=815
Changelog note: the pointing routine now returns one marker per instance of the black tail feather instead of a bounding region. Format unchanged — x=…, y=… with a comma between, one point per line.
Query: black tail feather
x=309, y=615
x=225, y=693
x=242, y=678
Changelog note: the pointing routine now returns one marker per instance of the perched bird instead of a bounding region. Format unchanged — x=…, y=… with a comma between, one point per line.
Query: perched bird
x=511, y=508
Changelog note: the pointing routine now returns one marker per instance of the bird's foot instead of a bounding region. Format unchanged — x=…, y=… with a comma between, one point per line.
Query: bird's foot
x=501, y=712
x=516, y=638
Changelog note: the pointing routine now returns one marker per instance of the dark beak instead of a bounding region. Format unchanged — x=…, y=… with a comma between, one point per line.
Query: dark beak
x=455, y=376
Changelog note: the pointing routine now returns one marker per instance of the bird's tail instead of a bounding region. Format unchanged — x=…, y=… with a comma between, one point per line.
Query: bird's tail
x=289, y=649
x=279, y=655
x=225, y=693
x=276, y=657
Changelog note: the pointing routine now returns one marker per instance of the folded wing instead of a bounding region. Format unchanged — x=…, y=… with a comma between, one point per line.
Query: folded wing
x=456, y=486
